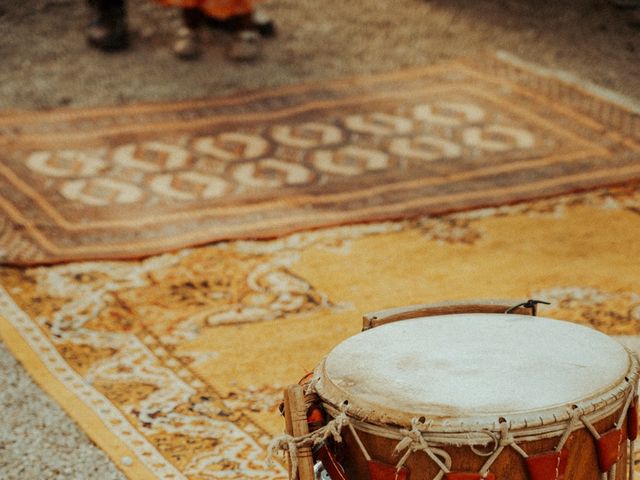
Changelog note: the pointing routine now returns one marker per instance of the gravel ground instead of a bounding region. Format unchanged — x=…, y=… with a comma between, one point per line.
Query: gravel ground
x=45, y=61
x=46, y=64
x=37, y=439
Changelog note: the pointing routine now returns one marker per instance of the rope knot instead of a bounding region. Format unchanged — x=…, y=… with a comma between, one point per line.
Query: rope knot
x=284, y=443
x=506, y=437
x=412, y=439
x=290, y=444
x=310, y=387
x=335, y=426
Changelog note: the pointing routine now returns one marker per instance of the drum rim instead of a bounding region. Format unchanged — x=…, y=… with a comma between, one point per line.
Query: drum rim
x=530, y=425
x=599, y=405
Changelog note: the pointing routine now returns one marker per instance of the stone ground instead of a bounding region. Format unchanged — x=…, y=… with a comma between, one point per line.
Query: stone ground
x=46, y=64
x=37, y=439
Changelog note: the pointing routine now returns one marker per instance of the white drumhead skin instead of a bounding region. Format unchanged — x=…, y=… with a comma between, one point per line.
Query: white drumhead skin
x=472, y=365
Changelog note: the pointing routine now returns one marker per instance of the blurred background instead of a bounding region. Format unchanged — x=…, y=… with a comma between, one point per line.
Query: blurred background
x=47, y=63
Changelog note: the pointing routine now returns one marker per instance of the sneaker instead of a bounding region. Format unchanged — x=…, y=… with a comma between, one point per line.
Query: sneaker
x=187, y=44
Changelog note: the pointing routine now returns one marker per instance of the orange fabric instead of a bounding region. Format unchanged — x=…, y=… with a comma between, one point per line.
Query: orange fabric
x=315, y=416
x=547, y=465
x=609, y=449
x=214, y=8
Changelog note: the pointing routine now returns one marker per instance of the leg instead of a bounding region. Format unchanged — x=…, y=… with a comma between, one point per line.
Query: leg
x=108, y=28
x=187, y=45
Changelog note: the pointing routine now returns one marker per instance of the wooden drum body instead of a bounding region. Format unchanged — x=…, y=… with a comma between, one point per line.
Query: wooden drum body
x=466, y=396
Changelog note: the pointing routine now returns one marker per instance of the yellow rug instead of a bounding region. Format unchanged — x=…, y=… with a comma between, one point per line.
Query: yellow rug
x=174, y=365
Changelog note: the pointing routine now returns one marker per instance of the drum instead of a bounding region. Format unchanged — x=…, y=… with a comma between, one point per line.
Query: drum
x=467, y=396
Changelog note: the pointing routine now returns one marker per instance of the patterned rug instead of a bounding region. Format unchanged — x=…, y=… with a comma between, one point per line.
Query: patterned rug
x=127, y=182
x=174, y=365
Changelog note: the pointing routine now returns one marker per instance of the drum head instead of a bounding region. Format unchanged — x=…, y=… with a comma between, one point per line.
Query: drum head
x=470, y=366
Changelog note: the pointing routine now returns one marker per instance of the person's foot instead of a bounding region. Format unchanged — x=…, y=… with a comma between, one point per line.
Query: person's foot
x=246, y=46
x=108, y=28
x=187, y=44
x=257, y=20
x=263, y=23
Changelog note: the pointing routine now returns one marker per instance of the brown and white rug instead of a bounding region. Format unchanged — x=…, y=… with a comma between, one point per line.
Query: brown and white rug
x=128, y=182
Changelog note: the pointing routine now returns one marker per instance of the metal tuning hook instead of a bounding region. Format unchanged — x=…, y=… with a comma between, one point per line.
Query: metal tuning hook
x=531, y=304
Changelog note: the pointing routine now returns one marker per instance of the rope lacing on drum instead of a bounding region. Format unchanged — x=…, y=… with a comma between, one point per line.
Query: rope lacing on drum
x=506, y=439
x=611, y=474
x=420, y=438
x=285, y=443
x=310, y=386
x=414, y=441
x=574, y=417
x=290, y=444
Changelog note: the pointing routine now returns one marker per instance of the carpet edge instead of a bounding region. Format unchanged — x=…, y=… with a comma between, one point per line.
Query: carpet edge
x=603, y=93
x=77, y=410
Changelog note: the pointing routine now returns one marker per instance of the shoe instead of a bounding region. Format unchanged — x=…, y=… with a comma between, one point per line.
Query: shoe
x=263, y=23
x=257, y=20
x=187, y=45
x=108, y=29
x=246, y=46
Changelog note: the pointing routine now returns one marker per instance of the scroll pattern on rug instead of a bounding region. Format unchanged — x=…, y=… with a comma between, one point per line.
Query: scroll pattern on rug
x=142, y=343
